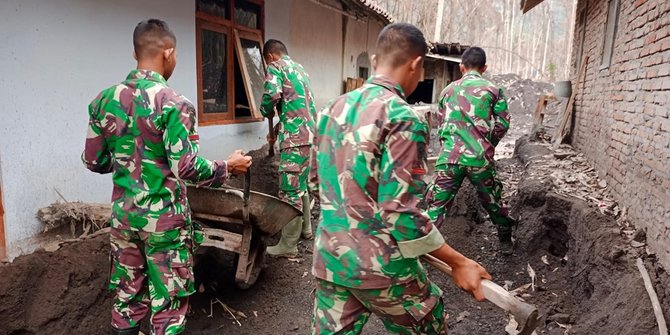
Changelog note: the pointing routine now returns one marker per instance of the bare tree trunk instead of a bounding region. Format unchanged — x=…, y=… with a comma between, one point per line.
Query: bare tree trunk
x=511, y=38
x=531, y=67
x=507, y=38
x=569, y=39
x=546, y=38
x=438, y=22
x=518, y=50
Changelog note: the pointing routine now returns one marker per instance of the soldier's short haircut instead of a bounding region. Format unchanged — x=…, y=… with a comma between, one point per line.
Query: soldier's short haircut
x=274, y=47
x=150, y=37
x=399, y=42
x=474, y=58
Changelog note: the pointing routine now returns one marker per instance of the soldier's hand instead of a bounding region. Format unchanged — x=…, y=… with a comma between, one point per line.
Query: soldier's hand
x=238, y=163
x=468, y=275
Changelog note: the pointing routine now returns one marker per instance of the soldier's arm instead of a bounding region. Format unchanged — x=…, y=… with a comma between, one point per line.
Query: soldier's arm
x=272, y=91
x=313, y=183
x=181, y=145
x=401, y=188
x=442, y=107
x=501, y=118
x=96, y=155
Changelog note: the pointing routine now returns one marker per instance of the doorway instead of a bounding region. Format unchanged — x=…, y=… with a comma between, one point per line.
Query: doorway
x=422, y=93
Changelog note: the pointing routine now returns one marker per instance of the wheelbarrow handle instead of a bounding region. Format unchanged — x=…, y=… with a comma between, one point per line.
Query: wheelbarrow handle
x=247, y=186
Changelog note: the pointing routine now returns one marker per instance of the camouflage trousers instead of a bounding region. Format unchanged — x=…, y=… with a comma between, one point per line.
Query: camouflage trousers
x=446, y=183
x=411, y=308
x=151, y=271
x=293, y=174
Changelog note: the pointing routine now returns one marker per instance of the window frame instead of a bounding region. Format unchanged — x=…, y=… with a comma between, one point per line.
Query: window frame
x=251, y=36
x=205, y=21
x=608, y=53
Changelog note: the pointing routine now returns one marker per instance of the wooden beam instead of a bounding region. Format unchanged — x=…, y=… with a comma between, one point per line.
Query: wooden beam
x=560, y=131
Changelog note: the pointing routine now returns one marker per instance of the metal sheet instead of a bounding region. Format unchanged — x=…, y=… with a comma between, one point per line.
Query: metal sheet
x=268, y=213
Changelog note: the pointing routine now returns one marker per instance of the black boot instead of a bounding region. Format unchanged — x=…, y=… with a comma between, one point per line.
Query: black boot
x=128, y=331
x=505, y=244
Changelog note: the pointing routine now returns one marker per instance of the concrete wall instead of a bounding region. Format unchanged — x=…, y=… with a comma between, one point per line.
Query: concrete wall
x=622, y=122
x=55, y=56
x=316, y=40
x=360, y=38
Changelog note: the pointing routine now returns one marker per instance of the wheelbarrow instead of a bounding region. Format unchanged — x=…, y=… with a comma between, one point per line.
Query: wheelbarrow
x=239, y=221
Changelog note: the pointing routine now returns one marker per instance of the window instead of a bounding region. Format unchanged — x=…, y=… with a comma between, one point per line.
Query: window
x=363, y=72
x=231, y=71
x=610, y=32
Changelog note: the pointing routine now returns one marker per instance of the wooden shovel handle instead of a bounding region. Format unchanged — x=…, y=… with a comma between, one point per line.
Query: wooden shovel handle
x=523, y=312
x=271, y=133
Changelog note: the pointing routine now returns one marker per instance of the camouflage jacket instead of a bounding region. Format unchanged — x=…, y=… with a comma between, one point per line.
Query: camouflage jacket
x=473, y=118
x=371, y=161
x=144, y=132
x=287, y=88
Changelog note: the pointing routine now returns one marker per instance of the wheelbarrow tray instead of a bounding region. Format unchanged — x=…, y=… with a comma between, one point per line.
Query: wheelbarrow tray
x=267, y=213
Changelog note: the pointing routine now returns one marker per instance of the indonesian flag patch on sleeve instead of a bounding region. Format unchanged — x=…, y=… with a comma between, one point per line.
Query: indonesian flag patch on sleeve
x=419, y=169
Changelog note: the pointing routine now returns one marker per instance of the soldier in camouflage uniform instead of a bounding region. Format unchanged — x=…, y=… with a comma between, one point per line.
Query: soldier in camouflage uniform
x=371, y=161
x=287, y=90
x=473, y=118
x=144, y=133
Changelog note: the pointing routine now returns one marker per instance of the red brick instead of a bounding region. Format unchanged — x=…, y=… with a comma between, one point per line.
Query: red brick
x=622, y=113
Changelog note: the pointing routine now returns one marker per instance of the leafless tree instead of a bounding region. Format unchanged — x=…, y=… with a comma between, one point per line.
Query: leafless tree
x=531, y=44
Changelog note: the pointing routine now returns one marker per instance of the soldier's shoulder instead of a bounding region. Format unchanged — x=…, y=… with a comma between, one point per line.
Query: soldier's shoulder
x=398, y=109
x=490, y=83
x=107, y=94
x=168, y=96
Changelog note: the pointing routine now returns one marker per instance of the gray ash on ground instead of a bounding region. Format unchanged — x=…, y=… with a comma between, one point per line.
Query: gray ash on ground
x=57, y=293
x=264, y=174
x=595, y=290
x=522, y=94
x=590, y=285
x=522, y=97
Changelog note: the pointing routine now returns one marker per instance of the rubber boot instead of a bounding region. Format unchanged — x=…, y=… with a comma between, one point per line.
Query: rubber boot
x=288, y=244
x=306, y=217
x=129, y=331
x=505, y=244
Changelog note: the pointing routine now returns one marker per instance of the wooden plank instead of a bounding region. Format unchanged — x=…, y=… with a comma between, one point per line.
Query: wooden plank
x=222, y=239
x=359, y=82
x=656, y=305
x=538, y=115
x=3, y=249
x=349, y=85
x=217, y=218
x=560, y=131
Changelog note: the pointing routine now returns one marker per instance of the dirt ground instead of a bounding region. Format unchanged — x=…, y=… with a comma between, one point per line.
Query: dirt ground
x=586, y=279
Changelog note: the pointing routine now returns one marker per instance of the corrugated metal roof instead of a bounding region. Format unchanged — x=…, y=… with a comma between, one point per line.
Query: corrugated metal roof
x=447, y=49
x=377, y=9
x=527, y=5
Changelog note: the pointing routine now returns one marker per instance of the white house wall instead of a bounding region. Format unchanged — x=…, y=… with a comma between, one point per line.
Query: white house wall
x=361, y=37
x=316, y=43
x=55, y=56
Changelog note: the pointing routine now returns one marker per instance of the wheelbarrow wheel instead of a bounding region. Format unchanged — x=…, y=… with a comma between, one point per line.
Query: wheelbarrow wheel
x=256, y=267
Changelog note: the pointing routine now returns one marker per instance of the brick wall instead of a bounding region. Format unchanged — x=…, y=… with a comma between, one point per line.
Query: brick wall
x=621, y=120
